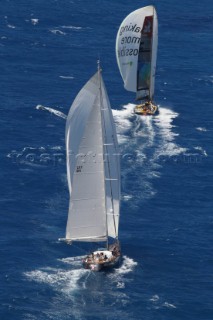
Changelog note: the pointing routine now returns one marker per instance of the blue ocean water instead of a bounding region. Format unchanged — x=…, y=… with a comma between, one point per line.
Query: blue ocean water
x=48, y=51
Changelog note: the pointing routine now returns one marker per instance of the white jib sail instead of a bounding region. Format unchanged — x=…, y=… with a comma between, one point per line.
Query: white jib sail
x=87, y=219
x=136, y=51
x=112, y=166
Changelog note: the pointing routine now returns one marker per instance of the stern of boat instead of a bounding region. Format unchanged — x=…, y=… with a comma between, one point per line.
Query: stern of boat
x=146, y=109
x=103, y=259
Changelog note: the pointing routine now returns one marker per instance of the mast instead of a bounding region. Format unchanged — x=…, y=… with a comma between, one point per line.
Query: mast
x=103, y=140
x=151, y=76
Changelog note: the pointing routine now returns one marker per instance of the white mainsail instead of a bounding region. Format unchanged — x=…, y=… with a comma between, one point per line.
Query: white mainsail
x=136, y=51
x=91, y=164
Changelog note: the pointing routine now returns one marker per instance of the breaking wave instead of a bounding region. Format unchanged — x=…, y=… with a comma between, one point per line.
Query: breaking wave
x=66, y=77
x=201, y=151
x=51, y=110
x=158, y=303
x=71, y=28
x=34, y=21
x=201, y=129
x=127, y=266
x=57, y=32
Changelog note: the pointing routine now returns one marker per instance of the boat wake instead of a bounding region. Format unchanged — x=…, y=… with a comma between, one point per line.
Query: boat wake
x=123, y=122
x=65, y=279
x=164, y=126
x=119, y=276
x=144, y=141
x=77, y=289
x=53, y=111
x=71, y=276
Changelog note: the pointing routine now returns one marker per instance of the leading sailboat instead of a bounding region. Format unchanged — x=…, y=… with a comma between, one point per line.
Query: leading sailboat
x=136, y=53
x=93, y=173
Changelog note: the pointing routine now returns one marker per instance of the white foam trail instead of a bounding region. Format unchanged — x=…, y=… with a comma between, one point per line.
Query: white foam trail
x=57, y=148
x=201, y=150
x=206, y=79
x=169, y=305
x=123, y=122
x=11, y=26
x=144, y=129
x=127, y=197
x=158, y=303
x=170, y=150
x=201, y=129
x=62, y=280
x=34, y=21
x=74, y=261
x=120, y=285
x=143, y=140
x=154, y=298
x=144, y=126
x=57, y=31
x=71, y=27
x=66, y=77
x=51, y=110
x=118, y=275
x=127, y=266
x=164, y=121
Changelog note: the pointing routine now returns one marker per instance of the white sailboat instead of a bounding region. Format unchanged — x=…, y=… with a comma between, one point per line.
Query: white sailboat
x=136, y=53
x=93, y=173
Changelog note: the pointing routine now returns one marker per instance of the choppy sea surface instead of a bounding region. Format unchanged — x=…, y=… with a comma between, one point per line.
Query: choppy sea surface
x=48, y=51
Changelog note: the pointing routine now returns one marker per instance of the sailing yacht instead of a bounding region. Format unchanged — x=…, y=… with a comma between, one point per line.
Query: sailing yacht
x=136, y=53
x=93, y=173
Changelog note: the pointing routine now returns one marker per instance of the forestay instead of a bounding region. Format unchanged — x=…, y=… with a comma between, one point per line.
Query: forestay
x=136, y=51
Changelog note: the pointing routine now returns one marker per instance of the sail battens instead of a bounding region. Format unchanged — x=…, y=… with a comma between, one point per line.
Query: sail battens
x=93, y=239
x=87, y=226
x=89, y=173
x=85, y=199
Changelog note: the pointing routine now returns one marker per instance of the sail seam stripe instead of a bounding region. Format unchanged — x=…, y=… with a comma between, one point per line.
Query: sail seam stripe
x=81, y=199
